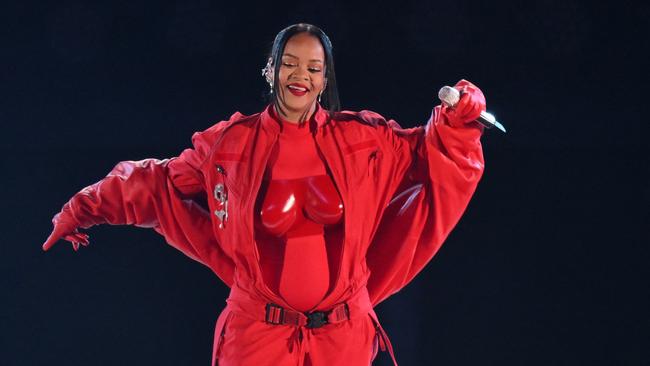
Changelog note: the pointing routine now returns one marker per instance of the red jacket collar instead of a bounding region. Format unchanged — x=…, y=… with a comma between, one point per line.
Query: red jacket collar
x=321, y=116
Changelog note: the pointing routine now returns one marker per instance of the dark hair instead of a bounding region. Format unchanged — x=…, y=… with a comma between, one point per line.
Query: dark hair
x=330, y=96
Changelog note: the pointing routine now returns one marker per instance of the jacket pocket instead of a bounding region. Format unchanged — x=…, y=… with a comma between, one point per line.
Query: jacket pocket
x=224, y=185
x=363, y=145
x=226, y=156
x=362, y=158
x=365, y=163
x=223, y=167
x=374, y=159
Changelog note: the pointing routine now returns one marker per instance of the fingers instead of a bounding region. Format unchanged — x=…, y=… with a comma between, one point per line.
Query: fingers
x=464, y=105
x=51, y=240
x=65, y=227
x=78, y=239
x=75, y=237
x=81, y=238
x=463, y=83
x=471, y=103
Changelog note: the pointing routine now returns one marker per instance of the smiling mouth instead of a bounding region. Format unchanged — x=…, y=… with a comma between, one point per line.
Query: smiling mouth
x=297, y=90
x=296, y=87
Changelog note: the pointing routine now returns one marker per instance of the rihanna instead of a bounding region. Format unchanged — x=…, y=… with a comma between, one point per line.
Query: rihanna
x=312, y=215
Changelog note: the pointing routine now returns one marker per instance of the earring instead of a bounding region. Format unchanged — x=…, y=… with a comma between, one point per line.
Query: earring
x=321, y=91
x=266, y=72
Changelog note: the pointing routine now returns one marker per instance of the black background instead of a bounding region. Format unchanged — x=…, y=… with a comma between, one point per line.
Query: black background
x=549, y=265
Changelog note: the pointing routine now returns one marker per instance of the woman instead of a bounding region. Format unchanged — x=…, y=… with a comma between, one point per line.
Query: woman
x=310, y=216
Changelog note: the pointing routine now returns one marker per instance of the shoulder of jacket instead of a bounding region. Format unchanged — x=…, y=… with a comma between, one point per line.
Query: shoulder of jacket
x=220, y=127
x=236, y=118
x=366, y=117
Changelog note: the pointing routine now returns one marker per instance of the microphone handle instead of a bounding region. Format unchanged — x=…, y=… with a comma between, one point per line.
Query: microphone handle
x=488, y=120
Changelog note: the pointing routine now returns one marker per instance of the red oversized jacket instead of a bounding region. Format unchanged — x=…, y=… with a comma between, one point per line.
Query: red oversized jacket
x=403, y=190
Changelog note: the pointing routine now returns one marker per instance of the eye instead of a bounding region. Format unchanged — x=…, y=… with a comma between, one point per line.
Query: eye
x=288, y=64
x=314, y=69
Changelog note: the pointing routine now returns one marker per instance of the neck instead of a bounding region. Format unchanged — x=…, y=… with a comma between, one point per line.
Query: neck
x=297, y=116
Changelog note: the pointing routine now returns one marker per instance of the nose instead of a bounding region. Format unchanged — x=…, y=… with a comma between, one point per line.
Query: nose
x=300, y=73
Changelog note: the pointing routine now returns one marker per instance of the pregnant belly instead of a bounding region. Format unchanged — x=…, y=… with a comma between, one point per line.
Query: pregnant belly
x=305, y=272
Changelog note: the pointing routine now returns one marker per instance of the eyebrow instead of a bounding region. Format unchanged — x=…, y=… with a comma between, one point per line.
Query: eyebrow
x=290, y=55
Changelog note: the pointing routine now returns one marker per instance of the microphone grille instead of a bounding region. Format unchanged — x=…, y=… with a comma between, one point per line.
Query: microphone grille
x=449, y=96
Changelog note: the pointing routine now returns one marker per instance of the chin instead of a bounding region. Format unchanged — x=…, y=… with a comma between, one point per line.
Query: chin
x=297, y=107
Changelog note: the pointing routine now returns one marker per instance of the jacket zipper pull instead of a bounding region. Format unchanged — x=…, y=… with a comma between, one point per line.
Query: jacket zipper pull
x=221, y=195
x=372, y=160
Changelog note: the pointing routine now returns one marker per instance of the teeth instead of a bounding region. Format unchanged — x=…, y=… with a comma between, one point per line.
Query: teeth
x=297, y=88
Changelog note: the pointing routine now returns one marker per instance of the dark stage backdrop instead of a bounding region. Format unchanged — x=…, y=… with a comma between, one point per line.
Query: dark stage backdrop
x=549, y=265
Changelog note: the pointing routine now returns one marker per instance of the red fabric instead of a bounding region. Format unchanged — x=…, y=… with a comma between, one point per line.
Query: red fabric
x=297, y=199
x=403, y=191
x=286, y=345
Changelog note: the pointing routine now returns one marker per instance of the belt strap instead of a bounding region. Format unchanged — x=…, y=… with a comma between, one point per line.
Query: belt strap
x=277, y=315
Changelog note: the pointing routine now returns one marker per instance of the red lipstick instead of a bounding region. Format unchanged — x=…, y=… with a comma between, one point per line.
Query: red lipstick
x=297, y=89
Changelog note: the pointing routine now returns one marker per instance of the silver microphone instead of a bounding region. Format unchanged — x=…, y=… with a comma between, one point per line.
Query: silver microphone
x=450, y=96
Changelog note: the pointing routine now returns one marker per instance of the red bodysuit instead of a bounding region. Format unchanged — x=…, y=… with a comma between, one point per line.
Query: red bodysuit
x=296, y=212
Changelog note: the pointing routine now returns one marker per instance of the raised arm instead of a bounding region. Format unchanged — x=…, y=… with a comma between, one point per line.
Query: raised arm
x=443, y=163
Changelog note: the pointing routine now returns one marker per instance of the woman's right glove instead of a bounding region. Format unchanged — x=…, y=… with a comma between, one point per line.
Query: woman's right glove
x=66, y=227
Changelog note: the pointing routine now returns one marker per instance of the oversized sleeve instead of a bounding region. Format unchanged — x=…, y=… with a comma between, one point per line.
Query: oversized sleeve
x=166, y=195
x=442, y=164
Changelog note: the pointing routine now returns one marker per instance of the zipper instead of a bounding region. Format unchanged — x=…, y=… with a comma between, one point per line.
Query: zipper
x=372, y=162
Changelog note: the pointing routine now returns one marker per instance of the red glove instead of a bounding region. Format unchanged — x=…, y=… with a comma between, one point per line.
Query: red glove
x=65, y=227
x=468, y=108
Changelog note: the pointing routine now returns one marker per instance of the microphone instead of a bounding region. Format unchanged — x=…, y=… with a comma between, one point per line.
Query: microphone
x=450, y=96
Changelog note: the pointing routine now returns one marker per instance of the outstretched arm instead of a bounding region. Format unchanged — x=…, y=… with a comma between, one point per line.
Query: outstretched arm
x=141, y=193
x=164, y=195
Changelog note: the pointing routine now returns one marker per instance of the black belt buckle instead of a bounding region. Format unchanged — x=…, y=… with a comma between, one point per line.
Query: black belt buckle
x=316, y=319
x=274, y=314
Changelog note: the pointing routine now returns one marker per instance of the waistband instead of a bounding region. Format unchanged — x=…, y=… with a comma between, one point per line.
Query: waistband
x=356, y=306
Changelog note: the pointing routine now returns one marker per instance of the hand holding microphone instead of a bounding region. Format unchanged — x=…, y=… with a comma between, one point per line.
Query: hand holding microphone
x=466, y=103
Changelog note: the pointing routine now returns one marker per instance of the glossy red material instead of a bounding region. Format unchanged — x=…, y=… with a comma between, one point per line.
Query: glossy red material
x=300, y=206
x=294, y=207
x=403, y=191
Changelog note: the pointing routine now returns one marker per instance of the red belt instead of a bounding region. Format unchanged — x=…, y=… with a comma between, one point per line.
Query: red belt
x=356, y=306
x=277, y=315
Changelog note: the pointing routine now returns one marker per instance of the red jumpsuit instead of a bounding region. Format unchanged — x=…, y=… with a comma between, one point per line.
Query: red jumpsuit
x=402, y=191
